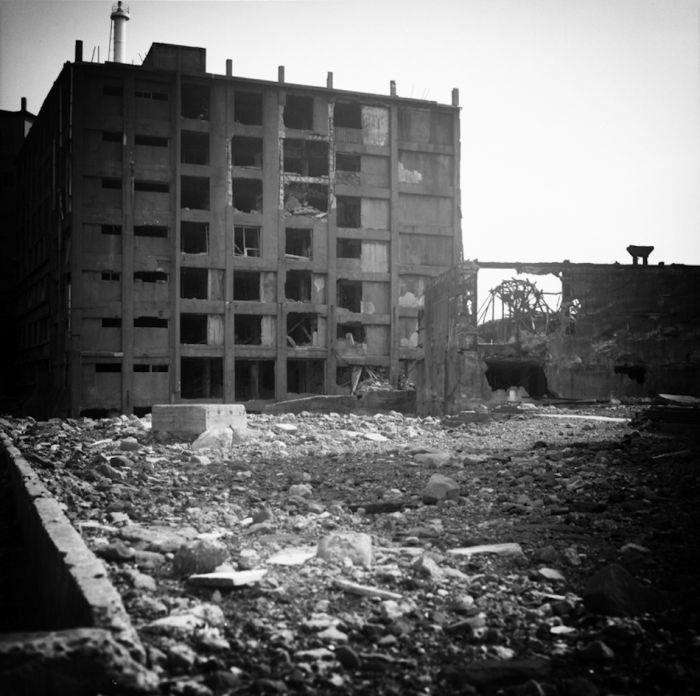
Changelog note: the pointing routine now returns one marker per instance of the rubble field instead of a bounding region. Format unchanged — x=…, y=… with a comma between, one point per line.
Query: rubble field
x=537, y=552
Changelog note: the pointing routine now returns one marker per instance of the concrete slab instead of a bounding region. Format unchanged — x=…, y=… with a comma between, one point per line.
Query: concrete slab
x=194, y=419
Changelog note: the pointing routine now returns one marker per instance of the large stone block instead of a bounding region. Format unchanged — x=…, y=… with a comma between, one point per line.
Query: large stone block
x=194, y=419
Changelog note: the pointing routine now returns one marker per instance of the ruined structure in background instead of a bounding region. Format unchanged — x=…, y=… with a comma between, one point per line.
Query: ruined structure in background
x=617, y=331
x=192, y=237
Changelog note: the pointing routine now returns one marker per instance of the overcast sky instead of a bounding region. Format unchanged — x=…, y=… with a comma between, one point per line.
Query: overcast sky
x=580, y=122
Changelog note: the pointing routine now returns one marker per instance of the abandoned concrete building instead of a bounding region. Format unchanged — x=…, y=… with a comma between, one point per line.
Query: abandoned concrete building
x=616, y=331
x=196, y=237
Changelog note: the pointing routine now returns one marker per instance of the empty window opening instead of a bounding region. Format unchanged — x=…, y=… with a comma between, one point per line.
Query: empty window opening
x=152, y=186
x=247, y=108
x=150, y=140
x=247, y=152
x=349, y=211
x=347, y=163
x=347, y=115
x=246, y=241
x=202, y=378
x=112, y=136
x=306, y=199
x=151, y=276
x=194, y=147
x=111, y=183
x=141, y=411
x=348, y=248
x=247, y=195
x=306, y=157
x=150, y=323
x=302, y=329
x=108, y=367
x=349, y=295
x=111, y=275
x=112, y=90
x=299, y=112
x=194, y=237
x=194, y=283
x=297, y=243
x=150, y=94
x=352, y=332
x=636, y=373
x=111, y=323
x=193, y=328
x=297, y=286
x=246, y=285
x=255, y=379
x=504, y=374
x=248, y=329
x=143, y=367
x=111, y=229
x=194, y=192
x=195, y=101
x=305, y=376
x=158, y=231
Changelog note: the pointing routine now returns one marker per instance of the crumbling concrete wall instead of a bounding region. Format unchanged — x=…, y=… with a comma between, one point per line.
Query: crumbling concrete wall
x=626, y=331
x=453, y=371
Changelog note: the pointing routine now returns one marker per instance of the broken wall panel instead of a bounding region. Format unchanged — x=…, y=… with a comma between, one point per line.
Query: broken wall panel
x=425, y=250
x=427, y=169
x=374, y=213
x=417, y=211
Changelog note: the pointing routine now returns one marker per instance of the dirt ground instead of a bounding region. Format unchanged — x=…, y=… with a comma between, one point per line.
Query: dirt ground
x=592, y=587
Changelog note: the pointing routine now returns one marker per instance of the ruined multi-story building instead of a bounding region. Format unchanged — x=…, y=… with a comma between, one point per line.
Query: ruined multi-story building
x=188, y=237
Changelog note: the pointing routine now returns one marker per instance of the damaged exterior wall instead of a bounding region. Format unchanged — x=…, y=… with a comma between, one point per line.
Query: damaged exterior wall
x=622, y=331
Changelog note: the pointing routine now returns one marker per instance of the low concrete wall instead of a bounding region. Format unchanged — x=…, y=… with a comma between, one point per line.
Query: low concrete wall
x=69, y=582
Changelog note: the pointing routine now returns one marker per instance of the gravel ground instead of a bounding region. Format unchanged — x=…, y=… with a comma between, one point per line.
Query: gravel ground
x=594, y=592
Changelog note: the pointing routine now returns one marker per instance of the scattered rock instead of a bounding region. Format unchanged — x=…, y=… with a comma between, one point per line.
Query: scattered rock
x=614, y=592
x=338, y=546
x=439, y=488
x=199, y=556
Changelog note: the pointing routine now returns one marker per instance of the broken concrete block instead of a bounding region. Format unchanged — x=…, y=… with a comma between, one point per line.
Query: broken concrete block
x=440, y=487
x=194, y=419
x=200, y=556
x=337, y=546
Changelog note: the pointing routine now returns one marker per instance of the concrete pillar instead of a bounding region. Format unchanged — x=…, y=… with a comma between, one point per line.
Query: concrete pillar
x=392, y=88
x=280, y=73
x=329, y=80
x=229, y=67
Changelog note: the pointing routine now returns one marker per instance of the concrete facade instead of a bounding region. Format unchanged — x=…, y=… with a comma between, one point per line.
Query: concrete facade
x=620, y=331
x=189, y=237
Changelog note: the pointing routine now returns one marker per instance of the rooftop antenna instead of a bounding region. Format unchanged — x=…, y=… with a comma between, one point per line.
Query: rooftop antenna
x=119, y=17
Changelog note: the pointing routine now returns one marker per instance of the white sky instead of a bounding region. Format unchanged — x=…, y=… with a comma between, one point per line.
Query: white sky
x=580, y=120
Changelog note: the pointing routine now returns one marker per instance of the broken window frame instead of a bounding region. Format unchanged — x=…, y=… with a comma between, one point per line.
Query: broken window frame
x=298, y=112
x=349, y=295
x=246, y=240
x=297, y=286
x=247, y=195
x=301, y=327
x=151, y=276
x=247, y=152
x=298, y=239
x=305, y=157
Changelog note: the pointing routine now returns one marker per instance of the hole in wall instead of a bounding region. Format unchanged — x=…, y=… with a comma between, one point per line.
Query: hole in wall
x=637, y=373
x=503, y=374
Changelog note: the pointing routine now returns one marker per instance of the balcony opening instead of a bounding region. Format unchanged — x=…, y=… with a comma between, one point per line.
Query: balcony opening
x=152, y=186
x=111, y=229
x=306, y=199
x=305, y=376
x=112, y=136
x=194, y=283
x=111, y=275
x=247, y=195
x=195, y=101
x=299, y=112
x=352, y=332
x=151, y=276
x=194, y=237
x=347, y=115
x=144, y=367
x=349, y=211
x=112, y=90
x=348, y=248
x=349, y=295
x=111, y=183
x=108, y=367
x=158, y=231
x=247, y=152
x=150, y=94
x=306, y=157
x=246, y=286
x=297, y=286
x=150, y=323
x=202, y=378
x=194, y=192
x=302, y=329
x=194, y=147
x=247, y=108
x=248, y=329
x=193, y=329
x=246, y=241
x=347, y=163
x=149, y=140
x=297, y=243
x=111, y=323
x=255, y=379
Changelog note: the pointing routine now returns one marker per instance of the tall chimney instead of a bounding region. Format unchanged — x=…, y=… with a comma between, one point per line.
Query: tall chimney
x=119, y=17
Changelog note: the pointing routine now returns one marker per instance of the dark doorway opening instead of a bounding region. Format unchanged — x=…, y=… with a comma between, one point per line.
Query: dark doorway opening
x=503, y=374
